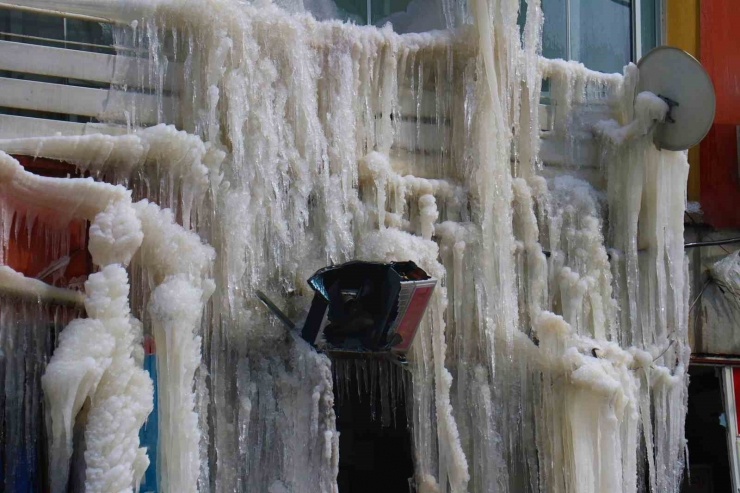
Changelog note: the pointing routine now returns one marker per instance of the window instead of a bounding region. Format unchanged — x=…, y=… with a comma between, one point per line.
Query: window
x=600, y=33
x=370, y=11
x=405, y=15
x=50, y=30
x=19, y=26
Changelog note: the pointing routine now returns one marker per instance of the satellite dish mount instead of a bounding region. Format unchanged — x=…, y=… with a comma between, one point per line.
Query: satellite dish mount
x=678, y=79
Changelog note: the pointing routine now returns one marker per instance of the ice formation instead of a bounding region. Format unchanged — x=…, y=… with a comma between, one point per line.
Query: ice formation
x=31, y=318
x=95, y=357
x=94, y=361
x=553, y=355
x=727, y=272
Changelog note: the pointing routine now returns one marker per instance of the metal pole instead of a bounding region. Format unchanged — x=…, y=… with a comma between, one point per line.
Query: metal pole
x=636, y=30
x=567, y=30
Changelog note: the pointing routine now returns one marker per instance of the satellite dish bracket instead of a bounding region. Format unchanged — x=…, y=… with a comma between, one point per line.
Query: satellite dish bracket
x=671, y=104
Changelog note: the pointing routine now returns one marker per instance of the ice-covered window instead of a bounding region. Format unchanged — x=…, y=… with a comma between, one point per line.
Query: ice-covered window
x=600, y=33
x=405, y=15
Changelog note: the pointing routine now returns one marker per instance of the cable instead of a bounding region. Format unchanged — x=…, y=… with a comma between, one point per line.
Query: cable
x=697, y=244
x=700, y=293
x=693, y=244
x=694, y=221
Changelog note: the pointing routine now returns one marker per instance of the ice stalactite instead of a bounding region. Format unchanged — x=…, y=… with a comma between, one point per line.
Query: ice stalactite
x=94, y=361
x=160, y=163
x=619, y=296
x=390, y=245
x=295, y=138
x=32, y=315
x=179, y=265
x=646, y=224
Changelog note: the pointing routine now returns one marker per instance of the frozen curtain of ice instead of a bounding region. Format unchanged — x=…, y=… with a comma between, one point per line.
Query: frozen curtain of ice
x=553, y=356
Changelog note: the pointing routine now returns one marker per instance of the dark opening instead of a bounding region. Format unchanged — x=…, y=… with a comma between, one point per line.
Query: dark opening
x=372, y=457
x=706, y=432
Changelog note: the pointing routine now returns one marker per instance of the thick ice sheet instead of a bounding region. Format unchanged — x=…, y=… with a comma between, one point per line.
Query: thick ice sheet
x=553, y=355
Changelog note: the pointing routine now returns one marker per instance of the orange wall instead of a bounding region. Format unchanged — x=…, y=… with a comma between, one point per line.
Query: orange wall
x=720, y=55
x=682, y=29
x=30, y=255
x=720, y=50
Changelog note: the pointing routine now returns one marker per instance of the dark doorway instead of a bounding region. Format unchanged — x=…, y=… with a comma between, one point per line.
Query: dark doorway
x=706, y=432
x=374, y=453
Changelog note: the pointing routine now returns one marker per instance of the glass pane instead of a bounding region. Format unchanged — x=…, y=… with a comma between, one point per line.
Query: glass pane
x=409, y=16
x=600, y=34
x=51, y=30
x=405, y=15
x=522, y=19
x=383, y=8
x=554, y=30
x=648, y=10
x=31, y=24
x=346, y=10
x=92, y=33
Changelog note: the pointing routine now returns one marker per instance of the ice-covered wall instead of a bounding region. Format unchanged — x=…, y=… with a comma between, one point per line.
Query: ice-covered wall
x=553, y=355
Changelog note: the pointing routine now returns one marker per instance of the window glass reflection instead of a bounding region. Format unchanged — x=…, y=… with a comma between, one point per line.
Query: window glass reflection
x=600, y=33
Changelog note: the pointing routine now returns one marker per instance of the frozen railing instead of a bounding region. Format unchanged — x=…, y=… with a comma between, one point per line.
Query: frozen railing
x=21, y=54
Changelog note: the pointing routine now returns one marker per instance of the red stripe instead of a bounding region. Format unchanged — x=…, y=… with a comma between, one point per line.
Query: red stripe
x=736, y=385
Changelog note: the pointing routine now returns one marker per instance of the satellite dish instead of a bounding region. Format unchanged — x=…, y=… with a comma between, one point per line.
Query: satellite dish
x=679, y=78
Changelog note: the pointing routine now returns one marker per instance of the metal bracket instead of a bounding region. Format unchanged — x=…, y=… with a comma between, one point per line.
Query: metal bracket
x=671, y=104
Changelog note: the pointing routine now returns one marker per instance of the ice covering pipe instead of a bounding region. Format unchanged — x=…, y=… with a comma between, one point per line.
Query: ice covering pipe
x=13, y=283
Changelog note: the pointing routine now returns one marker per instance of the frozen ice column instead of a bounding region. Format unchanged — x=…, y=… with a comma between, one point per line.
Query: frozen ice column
x=180, y=264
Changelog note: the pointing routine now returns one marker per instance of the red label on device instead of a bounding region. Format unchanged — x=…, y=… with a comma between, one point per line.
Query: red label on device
x=412, y=316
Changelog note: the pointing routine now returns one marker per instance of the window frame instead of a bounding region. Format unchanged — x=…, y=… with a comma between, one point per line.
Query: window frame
x=636, y=27
x=660, y=27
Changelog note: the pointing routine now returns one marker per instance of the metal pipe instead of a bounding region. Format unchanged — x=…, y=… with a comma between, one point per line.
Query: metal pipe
x=56, y=13
x=567, y=31
x=695, y=244
x=636, y=6
x=726, y=241
x=274, y=309
x=60, y=41
x=714, y=360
